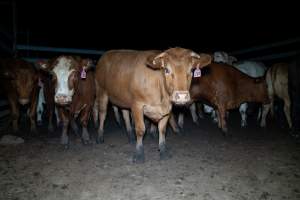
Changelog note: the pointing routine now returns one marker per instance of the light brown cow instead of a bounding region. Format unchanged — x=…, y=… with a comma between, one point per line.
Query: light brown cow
x=19, y=83
x=277, y=81
x=147, y=83
x=74, y=92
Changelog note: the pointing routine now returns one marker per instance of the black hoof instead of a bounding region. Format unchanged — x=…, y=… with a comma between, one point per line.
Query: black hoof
x=85, y=142
x=39, y=123
x=100, y=140
x=164, y=153
x=139, y=158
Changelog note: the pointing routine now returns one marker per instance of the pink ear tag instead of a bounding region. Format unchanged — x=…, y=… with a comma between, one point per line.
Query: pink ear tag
x=197, y=72
x=83, y=74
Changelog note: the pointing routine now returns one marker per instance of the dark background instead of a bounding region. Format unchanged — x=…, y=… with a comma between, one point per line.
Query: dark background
x=197, y=25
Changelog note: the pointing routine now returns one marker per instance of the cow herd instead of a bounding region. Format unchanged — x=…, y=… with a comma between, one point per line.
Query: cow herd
x=145, y=85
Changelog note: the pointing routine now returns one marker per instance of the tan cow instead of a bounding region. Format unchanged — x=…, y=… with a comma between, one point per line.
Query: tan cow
x=147, y=83
x=277, y=81
x=19, y=83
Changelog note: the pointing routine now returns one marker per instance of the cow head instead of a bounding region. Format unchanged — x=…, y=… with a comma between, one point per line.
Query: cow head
x=23, y=78
x=66, y=72
x=223, y=57
x=177, y=65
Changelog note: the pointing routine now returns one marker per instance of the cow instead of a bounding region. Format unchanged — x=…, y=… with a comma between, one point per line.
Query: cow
x=294, y=91
x=19, y=81
x=251, y=68
x=277, y=82
x=147, y=83
x=46, y=100
x=74, y=95
x=224, y=88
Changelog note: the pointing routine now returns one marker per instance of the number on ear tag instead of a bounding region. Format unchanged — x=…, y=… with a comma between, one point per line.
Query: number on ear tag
x=197, y=73
x=83, y=74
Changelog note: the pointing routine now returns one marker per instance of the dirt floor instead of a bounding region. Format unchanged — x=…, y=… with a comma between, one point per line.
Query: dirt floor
x=252, y=164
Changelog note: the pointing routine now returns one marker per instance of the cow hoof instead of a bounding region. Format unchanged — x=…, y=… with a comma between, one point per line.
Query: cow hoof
x=66, y=146
x=165, y=155
x=179, y=132
x=50, y=129
x=139, y=158
x=100, y=140
x=85, y=142
x=197, y=123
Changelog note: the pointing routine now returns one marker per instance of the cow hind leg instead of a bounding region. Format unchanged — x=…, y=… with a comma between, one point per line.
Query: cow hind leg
x=130, y=134
x=138, y=117
x=103, y=101
x=117, y=115
x=287, y=111
x=222, y=121
x=265, y=111
x=180, y=120
x=243, y=113
x=174, y=125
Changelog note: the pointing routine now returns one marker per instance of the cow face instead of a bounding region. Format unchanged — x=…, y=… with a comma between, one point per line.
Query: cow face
x=23, y=80
x=177, y=66
x=66, y=72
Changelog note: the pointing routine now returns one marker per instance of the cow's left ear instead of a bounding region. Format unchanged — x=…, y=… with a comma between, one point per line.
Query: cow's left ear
x=200, y=60
x=87, y=64
x=157, y=61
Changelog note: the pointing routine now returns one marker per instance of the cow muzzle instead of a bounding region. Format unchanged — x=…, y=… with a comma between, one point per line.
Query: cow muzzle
x=62, y=99
x=181, y=97
x=23, y=101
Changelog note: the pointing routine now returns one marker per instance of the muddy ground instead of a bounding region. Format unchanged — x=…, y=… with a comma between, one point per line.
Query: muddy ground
x=252, y=164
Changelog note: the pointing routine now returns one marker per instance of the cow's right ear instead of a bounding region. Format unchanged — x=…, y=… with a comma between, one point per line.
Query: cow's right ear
x=157, y=61
x=42, y=65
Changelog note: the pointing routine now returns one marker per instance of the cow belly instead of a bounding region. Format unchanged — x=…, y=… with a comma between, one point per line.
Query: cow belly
x=157, y=112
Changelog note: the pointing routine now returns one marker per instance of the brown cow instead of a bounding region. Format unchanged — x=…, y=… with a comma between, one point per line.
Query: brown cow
x=277, y=81
x=147, y=83
x=19, y=82
x=225, y=88
x=74, y=91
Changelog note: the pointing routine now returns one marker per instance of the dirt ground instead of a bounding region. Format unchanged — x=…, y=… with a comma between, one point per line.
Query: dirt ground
x=252, y=164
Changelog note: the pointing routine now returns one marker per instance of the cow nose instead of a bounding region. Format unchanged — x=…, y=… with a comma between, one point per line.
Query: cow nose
x=181, y=97
x=23, y=101
x=62, y=99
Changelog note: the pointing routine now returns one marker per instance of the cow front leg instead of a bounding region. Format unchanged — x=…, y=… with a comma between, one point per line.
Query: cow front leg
x=103, y=101
x=174, y=125
x=181, y=120
x=287, y=111
x=193, y=110
x=15, y=114
x=117, y=115
x=163, y=151
x=243, y=113
x=138, y=117
x=222, y=120
x=84, y=122
x=64, y=140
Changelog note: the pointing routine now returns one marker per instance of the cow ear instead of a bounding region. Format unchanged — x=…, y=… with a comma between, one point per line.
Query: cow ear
x=87, y=64
x=200, y=60
x=42, y=65
x=157, y=61
x=232, y=59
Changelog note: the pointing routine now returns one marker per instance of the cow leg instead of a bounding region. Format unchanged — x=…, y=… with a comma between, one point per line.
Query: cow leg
x=163, y=151
x=15, y=114
x=193, y=111
x=58, y=116
x=153, y=130
x=32, y=112
x=214, y=116
x=287, y=111
x=65, y=119
x=117, y=115
x=40, y=106
x=266, y=109
x=138, y=117
x=95, y=114
x=74, y=126
x=103, y=101
x=222, y=120
x=259, y=113
x=173, y=124
x=200, y=110
x=85, y=114
x=130, y=134
x=243, y=112
x=181, y=120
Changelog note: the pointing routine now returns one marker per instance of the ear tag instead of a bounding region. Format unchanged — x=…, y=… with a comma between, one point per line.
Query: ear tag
x=83, y=74
x=197, y=72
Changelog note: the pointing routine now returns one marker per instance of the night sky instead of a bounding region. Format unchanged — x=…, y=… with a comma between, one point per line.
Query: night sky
x=152, y=25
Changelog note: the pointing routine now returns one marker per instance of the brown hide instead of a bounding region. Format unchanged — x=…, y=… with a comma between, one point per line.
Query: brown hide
x=19, y=83
x=226, y=88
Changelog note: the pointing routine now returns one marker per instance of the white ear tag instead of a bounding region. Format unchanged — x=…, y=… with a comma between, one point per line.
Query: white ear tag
x=197, y=72
x=83, y=74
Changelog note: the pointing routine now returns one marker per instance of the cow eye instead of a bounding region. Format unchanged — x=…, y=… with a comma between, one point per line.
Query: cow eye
x=167, y=71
